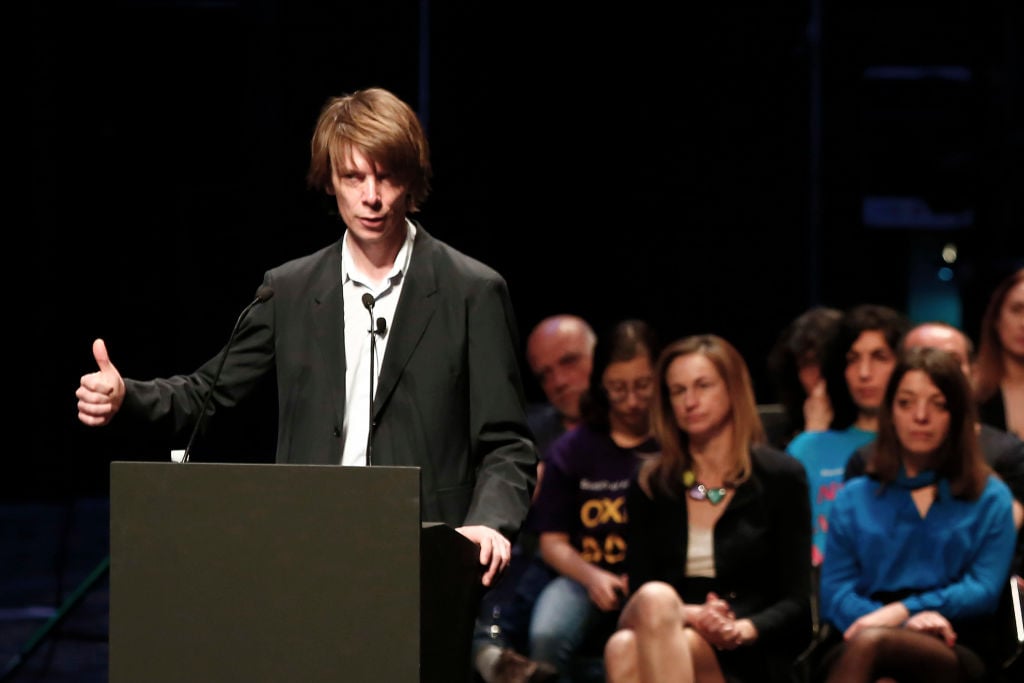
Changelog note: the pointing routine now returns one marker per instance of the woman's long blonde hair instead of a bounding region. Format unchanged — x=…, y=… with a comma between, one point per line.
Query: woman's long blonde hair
x=747, y=430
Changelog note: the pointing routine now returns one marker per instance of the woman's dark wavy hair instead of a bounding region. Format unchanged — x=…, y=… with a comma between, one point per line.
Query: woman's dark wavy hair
x=808, y=335
x=863, y=318
x=959, y=458
x=625, y=341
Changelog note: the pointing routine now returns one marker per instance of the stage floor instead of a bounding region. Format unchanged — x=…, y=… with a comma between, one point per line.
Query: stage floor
x=54, y=591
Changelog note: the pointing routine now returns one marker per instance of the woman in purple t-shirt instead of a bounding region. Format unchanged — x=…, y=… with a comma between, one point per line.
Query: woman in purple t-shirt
x=580, y=512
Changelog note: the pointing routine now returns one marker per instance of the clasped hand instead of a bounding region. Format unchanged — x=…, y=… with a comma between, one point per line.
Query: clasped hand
x=933, y=623
x=716, y=622
x=892, y=615
x=895, y=614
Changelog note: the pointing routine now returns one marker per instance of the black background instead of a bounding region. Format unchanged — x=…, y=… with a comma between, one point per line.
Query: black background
x=702, y=167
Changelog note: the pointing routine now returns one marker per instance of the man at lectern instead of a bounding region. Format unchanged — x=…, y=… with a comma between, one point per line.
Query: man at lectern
x=389, y=346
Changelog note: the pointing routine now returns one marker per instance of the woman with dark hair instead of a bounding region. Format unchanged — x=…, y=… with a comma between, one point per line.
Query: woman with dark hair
x=918, y=550
x=579, y=512
x=794, y=364
x=718, y=532
x=1000, y=363
x=857, y=364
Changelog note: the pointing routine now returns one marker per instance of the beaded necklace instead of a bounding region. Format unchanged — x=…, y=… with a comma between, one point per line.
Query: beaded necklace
x=698, y=491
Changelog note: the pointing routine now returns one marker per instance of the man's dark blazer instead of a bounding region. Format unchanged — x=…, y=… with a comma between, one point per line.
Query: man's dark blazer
x=449, y=398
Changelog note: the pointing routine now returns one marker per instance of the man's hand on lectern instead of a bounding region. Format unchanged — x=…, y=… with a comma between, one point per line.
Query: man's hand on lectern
x=495, y=549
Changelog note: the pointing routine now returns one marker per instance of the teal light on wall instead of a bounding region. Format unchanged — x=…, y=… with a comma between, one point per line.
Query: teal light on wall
x=933, y=292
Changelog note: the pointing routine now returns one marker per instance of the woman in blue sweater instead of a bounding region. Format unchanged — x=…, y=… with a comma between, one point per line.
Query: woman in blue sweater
x=918, y=550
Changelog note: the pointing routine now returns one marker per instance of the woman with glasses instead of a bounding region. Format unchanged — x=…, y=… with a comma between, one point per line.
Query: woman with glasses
x=719, y=534
x=579, y=511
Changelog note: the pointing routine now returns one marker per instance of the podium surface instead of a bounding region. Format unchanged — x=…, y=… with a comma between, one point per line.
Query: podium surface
x=225, y=572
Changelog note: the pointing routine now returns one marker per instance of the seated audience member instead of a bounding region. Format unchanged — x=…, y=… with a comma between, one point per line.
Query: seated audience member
x=1000, y=366
x=718, y=532
x=794, y=364
x=919, y=550
x=560, y=352
x=579, y=511
x=857, y=366
x=1003, y=451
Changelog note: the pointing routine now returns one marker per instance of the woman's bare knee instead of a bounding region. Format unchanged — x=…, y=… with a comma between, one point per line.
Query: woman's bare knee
x=620, y=657
x=654, y=606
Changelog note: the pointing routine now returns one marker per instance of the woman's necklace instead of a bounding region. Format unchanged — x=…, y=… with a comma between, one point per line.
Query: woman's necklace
x=698, y=491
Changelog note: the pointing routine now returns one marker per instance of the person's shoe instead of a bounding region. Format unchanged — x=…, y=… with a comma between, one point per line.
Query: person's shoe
x=512, y=667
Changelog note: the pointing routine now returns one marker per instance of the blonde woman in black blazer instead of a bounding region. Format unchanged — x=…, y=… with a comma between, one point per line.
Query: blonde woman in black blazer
x=719, y=535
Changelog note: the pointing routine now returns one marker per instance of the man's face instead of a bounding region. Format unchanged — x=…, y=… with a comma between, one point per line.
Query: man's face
x=561, y=360
x=371, y=201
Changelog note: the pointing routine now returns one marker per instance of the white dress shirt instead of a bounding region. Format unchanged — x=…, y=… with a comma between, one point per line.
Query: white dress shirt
x=355, y=283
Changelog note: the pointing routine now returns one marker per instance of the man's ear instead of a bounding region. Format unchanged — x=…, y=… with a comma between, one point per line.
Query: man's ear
x=972, y=374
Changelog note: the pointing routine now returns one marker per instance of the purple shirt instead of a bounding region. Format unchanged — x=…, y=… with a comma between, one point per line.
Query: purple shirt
x=583, y=494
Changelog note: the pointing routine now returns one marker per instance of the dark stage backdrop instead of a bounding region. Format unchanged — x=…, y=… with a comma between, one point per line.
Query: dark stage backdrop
x=704, y=169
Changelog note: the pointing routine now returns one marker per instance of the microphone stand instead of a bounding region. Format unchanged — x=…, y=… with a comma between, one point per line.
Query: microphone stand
x=262, y=294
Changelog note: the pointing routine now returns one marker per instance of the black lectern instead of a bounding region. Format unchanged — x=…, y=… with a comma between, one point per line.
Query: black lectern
x=229, y=572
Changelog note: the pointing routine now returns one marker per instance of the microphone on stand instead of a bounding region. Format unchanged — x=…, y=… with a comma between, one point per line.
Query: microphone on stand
x=368, y=302
x=263, y=294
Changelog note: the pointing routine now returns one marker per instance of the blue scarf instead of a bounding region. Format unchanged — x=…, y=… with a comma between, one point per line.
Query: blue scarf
x=926, y=478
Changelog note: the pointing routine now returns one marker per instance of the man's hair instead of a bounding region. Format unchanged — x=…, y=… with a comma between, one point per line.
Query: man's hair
x=381, y=126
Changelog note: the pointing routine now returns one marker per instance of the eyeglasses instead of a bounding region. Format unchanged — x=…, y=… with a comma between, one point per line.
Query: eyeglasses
x=618, y=392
